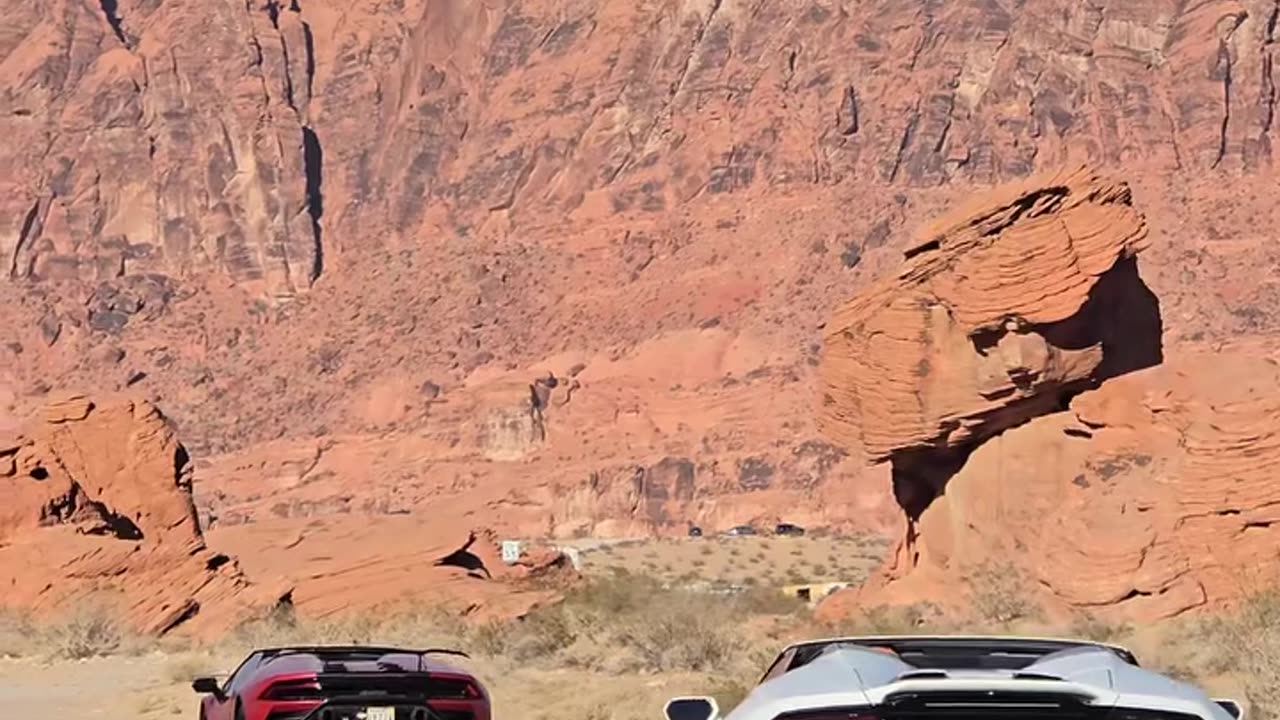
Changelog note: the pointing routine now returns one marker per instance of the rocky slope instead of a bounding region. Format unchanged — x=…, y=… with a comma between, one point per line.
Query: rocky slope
x=98, y=509
x=365, y=231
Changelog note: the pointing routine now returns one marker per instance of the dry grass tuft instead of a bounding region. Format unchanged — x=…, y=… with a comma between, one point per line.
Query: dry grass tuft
x=1247, y=642
x=1000, y=595
x=89, y=631
x=18, y=635
x=1090, y=627
x=895, y=620
x=185, y=667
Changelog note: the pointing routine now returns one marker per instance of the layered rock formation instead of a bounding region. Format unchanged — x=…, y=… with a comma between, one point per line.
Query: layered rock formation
x=1151, y=497
x=130, y=147
x=98, y=506
x=572, y=447
x=99, y=511
x=1144, y=497
x=1002, y=310
x=999, y=310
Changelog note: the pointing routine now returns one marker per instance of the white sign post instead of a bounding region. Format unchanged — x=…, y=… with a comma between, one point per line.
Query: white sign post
x=510, y=551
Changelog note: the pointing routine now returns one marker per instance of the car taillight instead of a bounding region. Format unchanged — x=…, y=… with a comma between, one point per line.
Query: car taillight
x=294, y=690
x=453, y=690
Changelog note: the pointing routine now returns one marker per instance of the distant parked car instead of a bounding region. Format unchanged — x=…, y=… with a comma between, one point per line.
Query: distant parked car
x=695, y=531
x=740, y=530
x=788, y=529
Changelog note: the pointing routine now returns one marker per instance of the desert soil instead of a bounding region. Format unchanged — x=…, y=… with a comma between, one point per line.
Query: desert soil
x=756, y=560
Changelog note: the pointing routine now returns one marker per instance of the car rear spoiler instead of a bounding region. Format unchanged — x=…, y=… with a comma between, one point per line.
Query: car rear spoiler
x=359, y=650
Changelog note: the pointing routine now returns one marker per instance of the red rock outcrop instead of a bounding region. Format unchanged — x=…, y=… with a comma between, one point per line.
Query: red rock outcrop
x=1154, y=495
x=356, y=563
x=99, y=509
x=1001, y=308
x=1011, y=375
x=98, y=505
x=131, y=150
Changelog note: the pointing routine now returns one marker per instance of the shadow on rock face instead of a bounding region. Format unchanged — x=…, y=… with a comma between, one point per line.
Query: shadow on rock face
x=467, y=560
x=1120, y=320
x=1132, y=329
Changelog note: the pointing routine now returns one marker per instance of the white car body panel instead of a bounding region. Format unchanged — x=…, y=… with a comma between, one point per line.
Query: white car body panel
x=848, y=676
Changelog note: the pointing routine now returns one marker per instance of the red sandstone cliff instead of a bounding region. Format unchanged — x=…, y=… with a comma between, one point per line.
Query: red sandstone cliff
x=304, y=224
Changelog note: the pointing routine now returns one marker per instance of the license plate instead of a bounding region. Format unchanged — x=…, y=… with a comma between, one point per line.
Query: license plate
x=380, y=713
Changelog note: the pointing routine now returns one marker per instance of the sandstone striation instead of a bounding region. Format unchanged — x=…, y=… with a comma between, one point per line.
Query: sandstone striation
x=1152, y=496
x=998, y=310
x=131, y=151
x=1001, y=310
x=98, y=506
x=1013, y=375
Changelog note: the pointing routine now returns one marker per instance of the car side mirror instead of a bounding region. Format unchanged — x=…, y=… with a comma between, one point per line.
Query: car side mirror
x=207, y=686
x=1233, y=708
x=691, y=708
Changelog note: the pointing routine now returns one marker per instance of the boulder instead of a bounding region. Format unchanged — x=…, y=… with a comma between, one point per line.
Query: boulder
x=1003, y=309
x=1152, y=496
x=98, y=507
x=1000, y=309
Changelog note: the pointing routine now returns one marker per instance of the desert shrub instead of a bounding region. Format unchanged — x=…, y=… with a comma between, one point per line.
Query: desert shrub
x=892, y=620
x=680, y=634
x=543, y=634
x=728, y=693
x=88, y=632
x=630, y=622
x=188, y=666
x=491, y=638
x=1247, y=641
x=17, y=634
x=1000, y=596
x=1091, y=627
x=768, y=601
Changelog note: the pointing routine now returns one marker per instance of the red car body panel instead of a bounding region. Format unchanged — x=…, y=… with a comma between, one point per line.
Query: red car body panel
x=289, y=683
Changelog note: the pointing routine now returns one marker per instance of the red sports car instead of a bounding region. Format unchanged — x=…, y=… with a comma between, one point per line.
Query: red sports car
x=344, y=683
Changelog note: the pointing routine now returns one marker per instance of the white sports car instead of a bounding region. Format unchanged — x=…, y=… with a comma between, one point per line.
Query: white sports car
x=961, y=678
